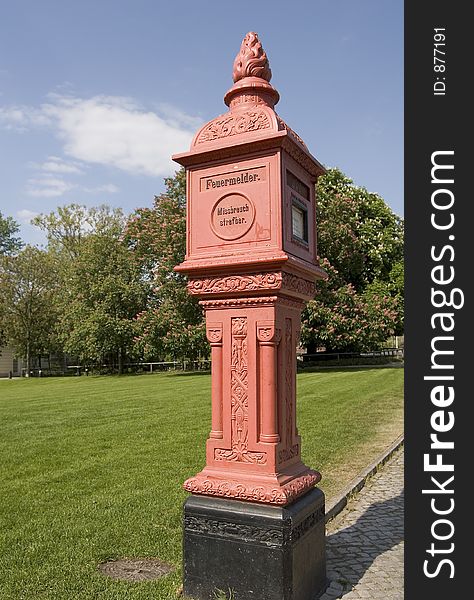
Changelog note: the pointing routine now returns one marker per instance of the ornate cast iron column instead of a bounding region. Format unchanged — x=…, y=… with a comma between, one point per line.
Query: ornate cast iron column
x=251, y=260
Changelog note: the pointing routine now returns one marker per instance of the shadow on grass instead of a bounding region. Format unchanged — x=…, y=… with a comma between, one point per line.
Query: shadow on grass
x=351, y=551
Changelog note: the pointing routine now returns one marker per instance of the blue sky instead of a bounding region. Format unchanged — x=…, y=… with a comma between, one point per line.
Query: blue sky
x=96, y=95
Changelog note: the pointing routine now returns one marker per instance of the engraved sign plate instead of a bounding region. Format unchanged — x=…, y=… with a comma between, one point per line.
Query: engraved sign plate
x=233, y=178
x=230, y=206
x=232, y=216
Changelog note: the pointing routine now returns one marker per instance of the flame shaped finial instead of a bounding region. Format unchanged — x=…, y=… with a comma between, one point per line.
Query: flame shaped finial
x=251, y=61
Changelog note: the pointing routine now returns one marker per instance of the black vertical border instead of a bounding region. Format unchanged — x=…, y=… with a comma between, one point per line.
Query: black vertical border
x=435, y=123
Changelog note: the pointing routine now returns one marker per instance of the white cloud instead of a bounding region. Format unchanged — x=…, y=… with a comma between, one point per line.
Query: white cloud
x=55, y=164
x=111, y=131
x=26, y=215
x=177, y=118
x=107, y=188
x=116, y=132
x=22, y=118
x=48, y=187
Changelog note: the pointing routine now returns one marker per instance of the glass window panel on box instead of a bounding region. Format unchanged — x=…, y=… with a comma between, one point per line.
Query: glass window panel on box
x=298, y=221
x=299, y=207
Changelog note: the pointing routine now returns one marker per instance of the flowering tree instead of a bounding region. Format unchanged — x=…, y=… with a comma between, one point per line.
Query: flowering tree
x=360, y=241
x=172, y=324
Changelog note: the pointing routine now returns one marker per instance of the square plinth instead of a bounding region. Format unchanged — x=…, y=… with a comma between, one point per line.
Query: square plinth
x=254, y=551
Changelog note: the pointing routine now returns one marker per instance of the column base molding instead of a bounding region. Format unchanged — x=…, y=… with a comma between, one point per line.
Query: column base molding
x=280, y=490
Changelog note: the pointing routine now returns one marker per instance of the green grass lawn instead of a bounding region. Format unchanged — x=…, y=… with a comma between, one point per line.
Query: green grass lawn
x=91, y=468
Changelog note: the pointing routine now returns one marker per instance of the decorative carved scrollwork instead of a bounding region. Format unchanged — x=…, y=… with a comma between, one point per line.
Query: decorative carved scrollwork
x=270, y=537
x=288, y=453
x=265, y=493
x=234, y=124
x=235, y=283
x=298, y=284
x=240, y=453
x=307, y=524
x=303, y=158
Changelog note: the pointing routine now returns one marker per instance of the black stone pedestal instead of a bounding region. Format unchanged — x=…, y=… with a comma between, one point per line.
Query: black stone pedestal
x=255, y=551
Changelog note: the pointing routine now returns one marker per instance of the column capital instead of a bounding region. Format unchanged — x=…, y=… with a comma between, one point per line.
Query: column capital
x=268, y=333
x=214, y=333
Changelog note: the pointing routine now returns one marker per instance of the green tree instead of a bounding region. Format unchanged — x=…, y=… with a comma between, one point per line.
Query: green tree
x=104, y=293
x=69, y=225
x=360, y=242
x=101, y=290
x=27, y=309
x=172, y=325
x=9, y=242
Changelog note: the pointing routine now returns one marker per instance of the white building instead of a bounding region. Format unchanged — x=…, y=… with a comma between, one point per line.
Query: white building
x=8, y=363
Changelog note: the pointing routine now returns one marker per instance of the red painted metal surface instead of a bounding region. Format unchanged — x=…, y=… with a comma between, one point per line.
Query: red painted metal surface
x=251, y=259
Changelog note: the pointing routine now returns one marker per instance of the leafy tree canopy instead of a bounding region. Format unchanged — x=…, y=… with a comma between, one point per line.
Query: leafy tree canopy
x=10, y=243
x=360, y=242
x=172, y=325
x=67, y=226
x=100, y=301
x=28, y=286
x=101, y=289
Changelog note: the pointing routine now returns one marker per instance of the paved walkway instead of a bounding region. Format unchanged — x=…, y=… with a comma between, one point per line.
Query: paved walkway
x=364, y=543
